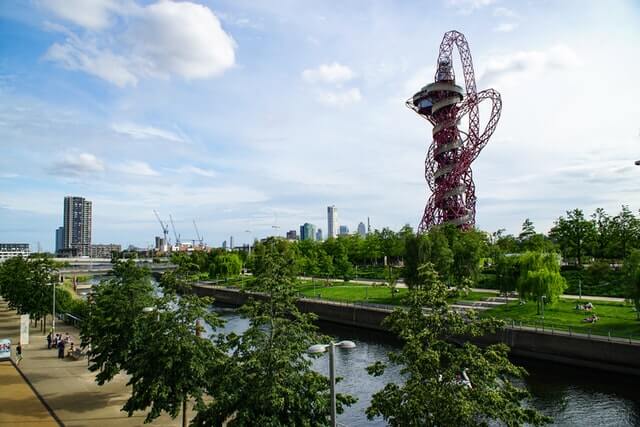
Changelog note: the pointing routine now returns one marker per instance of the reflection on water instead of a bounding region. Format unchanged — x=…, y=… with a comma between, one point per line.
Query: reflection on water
x=572, y=396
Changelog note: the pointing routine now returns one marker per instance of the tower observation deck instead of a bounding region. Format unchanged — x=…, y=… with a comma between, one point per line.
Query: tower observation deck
x=448, y=163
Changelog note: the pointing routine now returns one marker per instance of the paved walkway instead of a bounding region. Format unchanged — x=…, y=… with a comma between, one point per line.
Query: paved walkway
x=66, y=385
x=20, y=405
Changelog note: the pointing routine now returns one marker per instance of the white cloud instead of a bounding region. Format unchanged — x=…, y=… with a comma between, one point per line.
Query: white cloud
x=184, y=39
x=8, y=175
x=194, y=170
x=529, y=62
x=134, y=167
x=146, y=132
x=505, y=27
x=158, y=40
x=328, y=73
x=79, y=55
x=77, y=164
x=340, y=98
x=468, y=6
x=90, y=14
x=503, y=12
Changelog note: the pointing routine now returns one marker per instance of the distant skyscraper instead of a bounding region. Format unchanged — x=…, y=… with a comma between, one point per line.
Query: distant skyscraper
x=231, y=242
x=224, y=244
x=332, y=221
x=344, y=230
x=319, y=235
x=361, y=230
x=292, y=235
x=59, y=239
x=307, y=231
x=77, y=224
x=368, y=226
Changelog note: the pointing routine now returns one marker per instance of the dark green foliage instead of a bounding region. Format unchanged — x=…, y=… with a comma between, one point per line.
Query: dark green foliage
x=268, y=380
x=169, y=362
x=433, y=393
x=632, y=273
x=115, y=307
x=26, y=284
x=540, y=276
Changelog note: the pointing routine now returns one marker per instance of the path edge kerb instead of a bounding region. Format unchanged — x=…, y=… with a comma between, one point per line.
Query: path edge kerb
x=44, y=402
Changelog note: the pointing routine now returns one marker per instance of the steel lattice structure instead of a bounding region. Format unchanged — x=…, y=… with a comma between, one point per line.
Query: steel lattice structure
x=448, y=163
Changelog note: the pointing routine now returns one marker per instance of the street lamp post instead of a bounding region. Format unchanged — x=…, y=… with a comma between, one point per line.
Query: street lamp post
x=53, y=319
x=321, y=348
x=543, y=298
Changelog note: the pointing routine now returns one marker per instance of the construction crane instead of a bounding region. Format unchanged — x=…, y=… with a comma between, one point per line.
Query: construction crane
x=165, y=228
x=176, y=235
x=200, y=239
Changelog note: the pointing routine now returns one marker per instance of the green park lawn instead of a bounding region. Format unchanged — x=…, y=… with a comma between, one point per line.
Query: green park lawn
x=353, y=292
x=617, y=318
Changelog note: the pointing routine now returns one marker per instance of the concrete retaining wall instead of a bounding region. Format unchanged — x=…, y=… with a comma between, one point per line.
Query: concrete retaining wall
x=613, y=356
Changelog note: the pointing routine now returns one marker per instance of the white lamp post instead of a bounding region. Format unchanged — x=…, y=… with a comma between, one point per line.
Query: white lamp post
x=321, y=348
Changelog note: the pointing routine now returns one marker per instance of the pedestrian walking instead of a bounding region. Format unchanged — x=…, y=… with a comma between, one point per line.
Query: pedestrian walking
x=18, y=354
x=49, y=341
x=61, y=349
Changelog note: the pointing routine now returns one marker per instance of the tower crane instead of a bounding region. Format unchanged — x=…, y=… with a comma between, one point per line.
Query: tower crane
x=165, y=227
x=200, y=239
x=176, y=235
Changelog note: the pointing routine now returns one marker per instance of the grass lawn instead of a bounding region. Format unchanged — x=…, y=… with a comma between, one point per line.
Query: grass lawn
x=617, y=318
x=353, y=292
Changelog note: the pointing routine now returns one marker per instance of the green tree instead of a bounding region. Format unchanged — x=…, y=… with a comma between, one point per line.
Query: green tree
x=268, y=380
x=540, y=276
x=226, y=265
x=604, y=233
x=626, y=230
x=631, y=270
x=417, y=251
x=170, y=363
x=507, y=272
x=574, y=234
x=115, y=307
x=435, y=391
x=528, y=230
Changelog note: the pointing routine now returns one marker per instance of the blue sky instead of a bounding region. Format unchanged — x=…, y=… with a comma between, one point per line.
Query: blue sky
x=243, y=115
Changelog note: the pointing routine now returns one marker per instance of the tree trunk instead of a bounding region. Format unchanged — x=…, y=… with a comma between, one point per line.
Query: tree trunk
x=184, y=412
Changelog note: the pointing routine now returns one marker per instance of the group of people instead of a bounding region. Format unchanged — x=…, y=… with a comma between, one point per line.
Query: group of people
x=591, y=319
x=587, y=307
x=60, y=342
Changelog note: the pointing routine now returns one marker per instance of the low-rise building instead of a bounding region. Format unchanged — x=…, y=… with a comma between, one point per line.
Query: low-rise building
x=103, y=251
x=10, y=250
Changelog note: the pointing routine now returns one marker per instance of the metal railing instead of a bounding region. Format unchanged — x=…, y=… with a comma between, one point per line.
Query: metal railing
x=586, y=333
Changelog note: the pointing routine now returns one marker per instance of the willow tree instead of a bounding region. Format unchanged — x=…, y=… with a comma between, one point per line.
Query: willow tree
x=540, y=277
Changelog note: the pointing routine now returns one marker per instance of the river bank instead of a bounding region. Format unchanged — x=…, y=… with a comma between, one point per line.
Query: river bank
x=576, y=349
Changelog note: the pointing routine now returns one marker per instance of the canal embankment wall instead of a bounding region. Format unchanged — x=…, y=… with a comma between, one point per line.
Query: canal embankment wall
x=593, y=352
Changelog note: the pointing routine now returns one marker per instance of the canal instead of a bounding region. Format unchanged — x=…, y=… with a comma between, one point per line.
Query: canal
x=572, y=396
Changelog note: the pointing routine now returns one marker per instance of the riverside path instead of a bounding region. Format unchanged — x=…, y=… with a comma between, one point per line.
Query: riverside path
x=66, y=386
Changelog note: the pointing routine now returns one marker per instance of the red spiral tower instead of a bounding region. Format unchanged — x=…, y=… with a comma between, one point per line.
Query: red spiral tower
x=448, y=163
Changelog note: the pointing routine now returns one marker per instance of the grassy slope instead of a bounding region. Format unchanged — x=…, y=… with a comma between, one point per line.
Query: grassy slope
x=618, y=318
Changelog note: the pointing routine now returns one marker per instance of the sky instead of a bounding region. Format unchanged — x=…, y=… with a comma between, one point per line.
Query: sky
x=251, y=117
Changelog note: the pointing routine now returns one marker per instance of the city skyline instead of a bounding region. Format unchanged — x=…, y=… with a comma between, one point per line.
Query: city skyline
x=84, y=109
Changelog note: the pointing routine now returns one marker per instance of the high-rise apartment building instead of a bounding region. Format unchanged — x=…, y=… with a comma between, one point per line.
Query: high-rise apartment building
x=307, y=231
x=332, y=221
x=362, y=231
x=319, y=235
x=59, y=239
x=231, y=242
x=344, y=230
x=77, y=225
